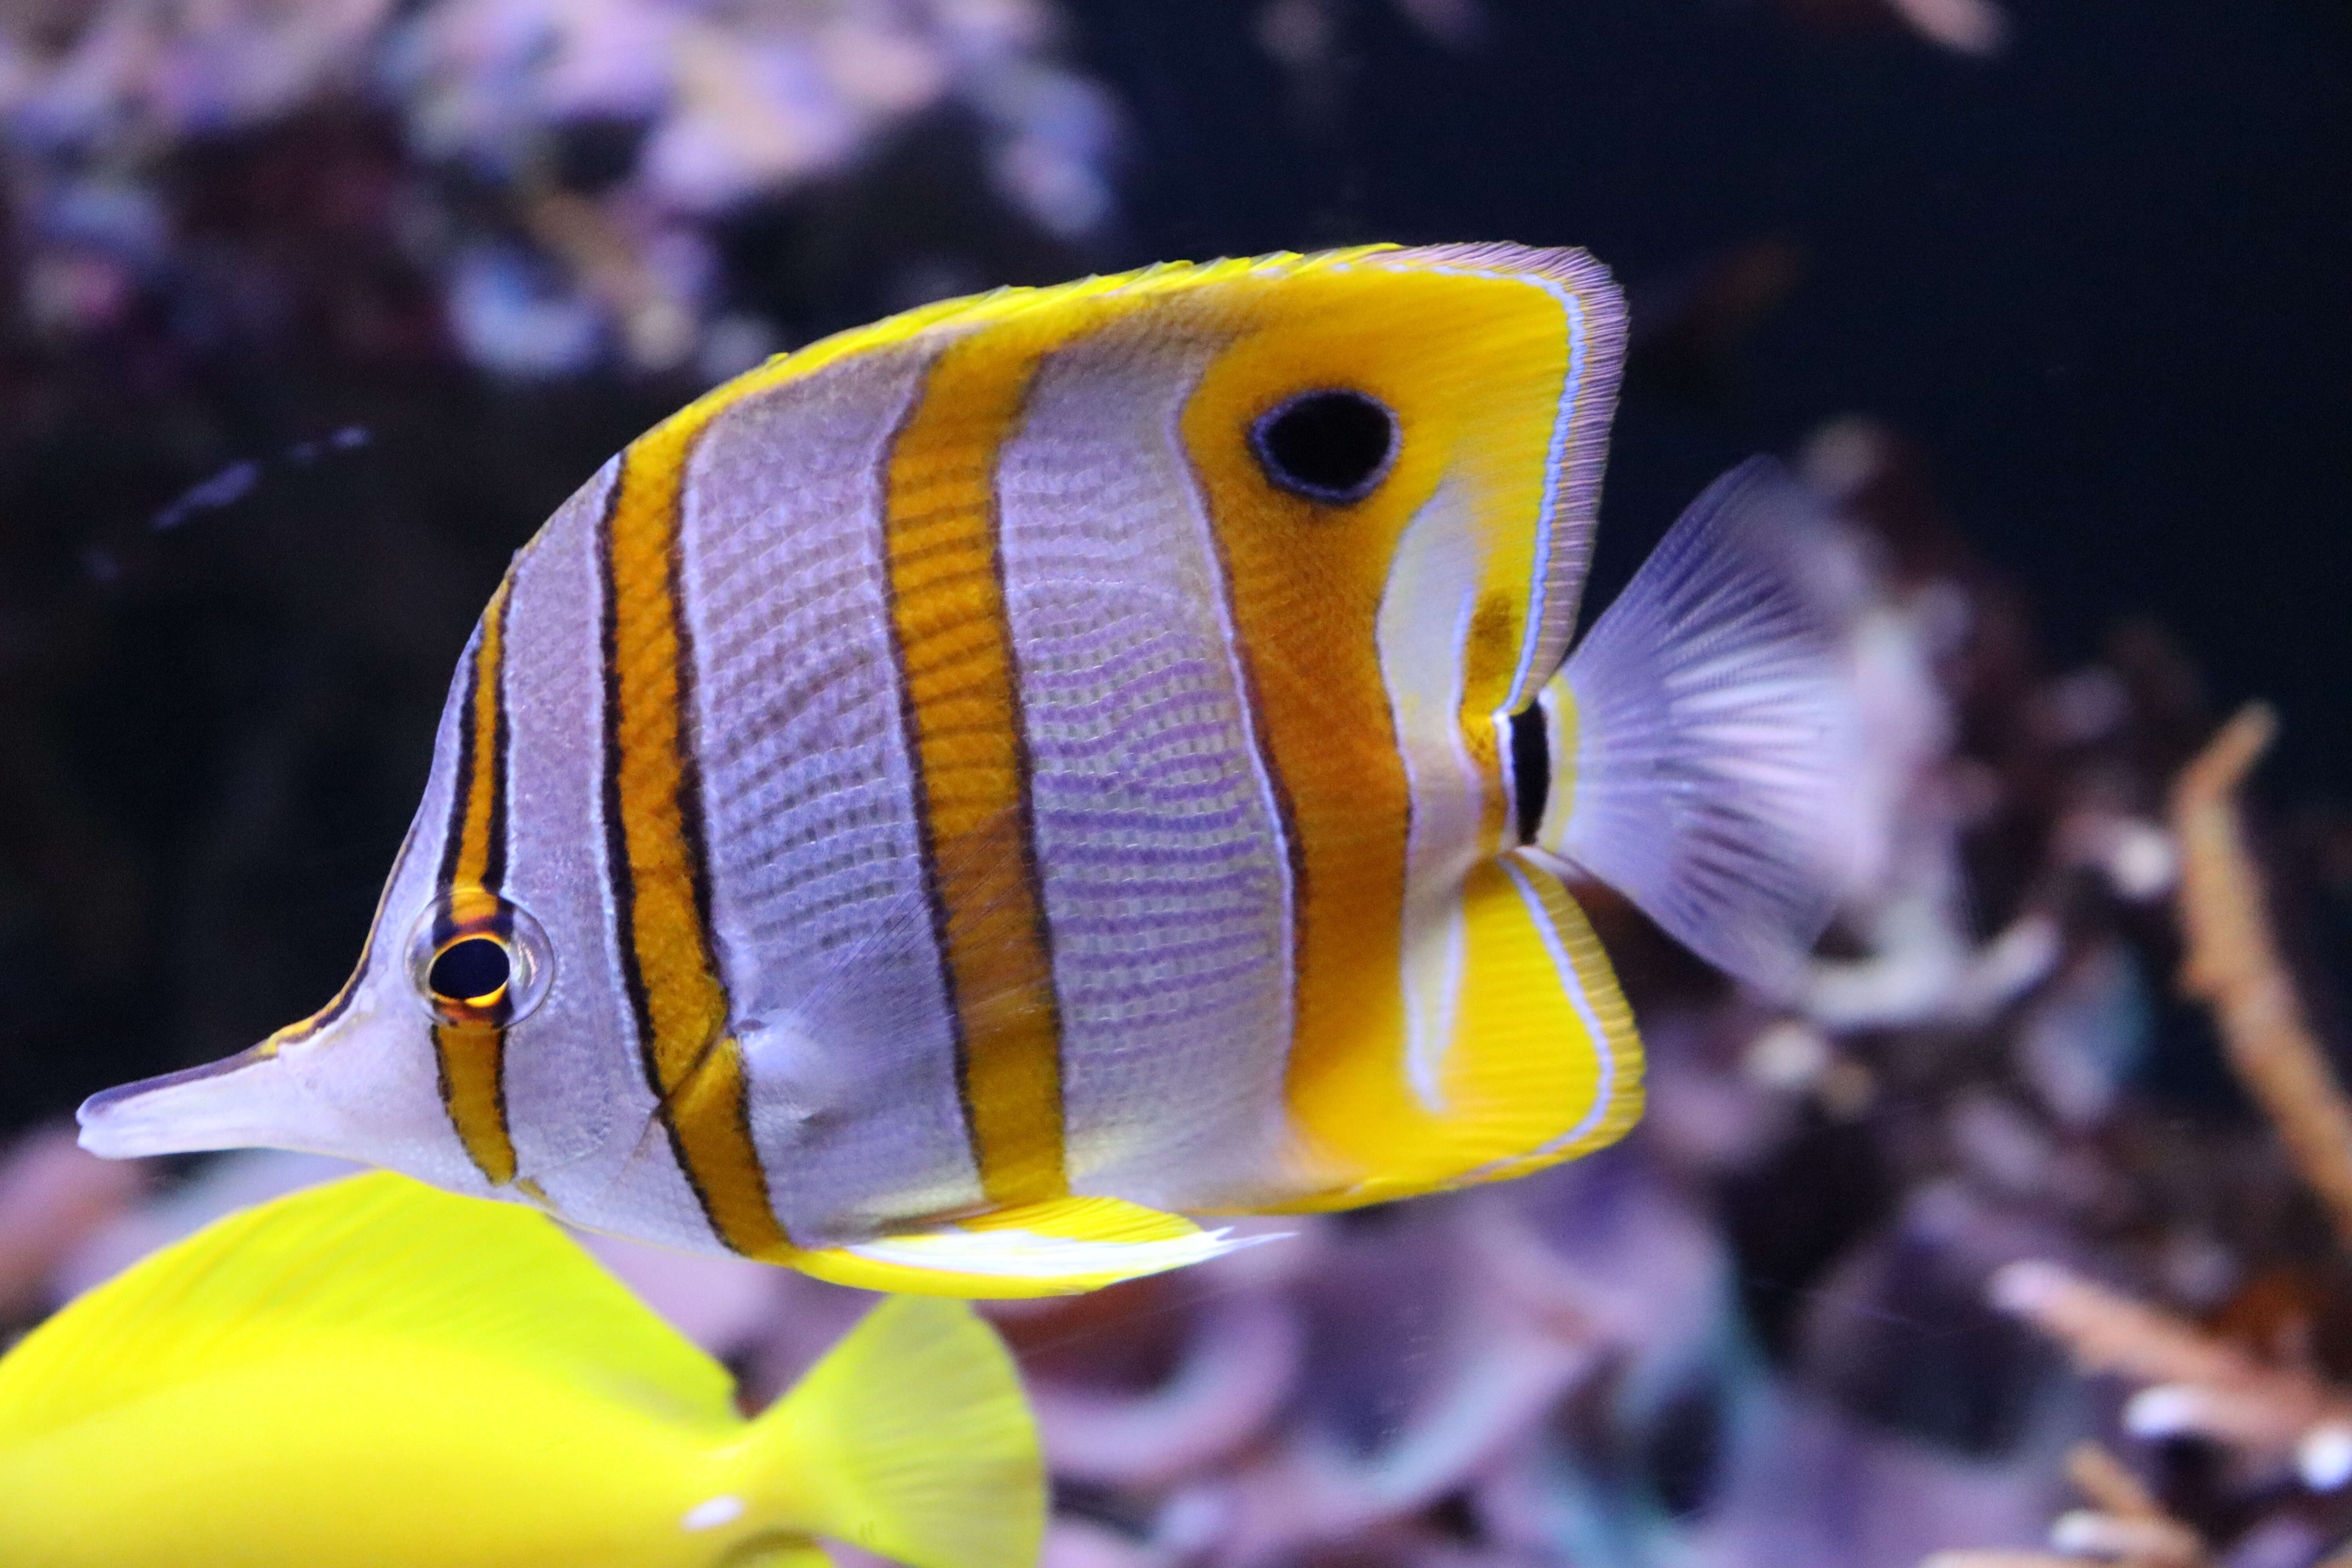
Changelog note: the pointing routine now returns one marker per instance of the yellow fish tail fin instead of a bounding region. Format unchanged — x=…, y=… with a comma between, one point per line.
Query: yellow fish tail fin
x=378, y=1262
x=1054, y=1249
x=911, y=1439
x=1705, y=738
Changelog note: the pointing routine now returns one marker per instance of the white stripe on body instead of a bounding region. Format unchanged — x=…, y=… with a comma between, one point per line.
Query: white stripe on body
x=1423, y=630
x=1165, y=883
x=577, y=1101
x=826, y=940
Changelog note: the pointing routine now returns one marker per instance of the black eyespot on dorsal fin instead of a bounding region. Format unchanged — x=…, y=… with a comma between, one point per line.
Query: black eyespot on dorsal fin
x=1334, y=444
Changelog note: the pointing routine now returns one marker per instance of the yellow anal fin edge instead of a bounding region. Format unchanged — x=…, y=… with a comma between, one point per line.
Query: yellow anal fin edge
x=1055, y=1248
x=1544, y=1063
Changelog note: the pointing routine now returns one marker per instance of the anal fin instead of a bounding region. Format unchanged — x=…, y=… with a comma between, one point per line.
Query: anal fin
x=1055, y=1248
x=1543, y=1062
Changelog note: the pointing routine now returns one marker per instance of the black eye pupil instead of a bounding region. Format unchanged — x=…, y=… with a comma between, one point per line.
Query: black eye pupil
x=1327, y=445
x=474, y=967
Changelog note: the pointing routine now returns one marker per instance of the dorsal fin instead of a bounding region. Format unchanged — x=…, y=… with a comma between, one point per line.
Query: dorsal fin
x=377, y=1262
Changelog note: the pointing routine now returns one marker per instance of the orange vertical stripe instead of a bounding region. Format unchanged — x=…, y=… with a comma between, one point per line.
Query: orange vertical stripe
x=1303, y=590
x=472, y=1053
x=472, y=1057
x=476, y=855
x=661, y=883
x=962, y=704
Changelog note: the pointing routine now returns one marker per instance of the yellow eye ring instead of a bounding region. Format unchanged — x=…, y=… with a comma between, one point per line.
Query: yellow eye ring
x=489, y=966
x=471, y=971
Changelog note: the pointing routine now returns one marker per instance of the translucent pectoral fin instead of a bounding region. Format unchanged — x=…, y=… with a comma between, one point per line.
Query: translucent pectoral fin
x=1055, y=1248
x=1542, y=1062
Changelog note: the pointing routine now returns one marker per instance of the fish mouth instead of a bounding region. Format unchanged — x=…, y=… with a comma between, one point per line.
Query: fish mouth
x=237, y=1103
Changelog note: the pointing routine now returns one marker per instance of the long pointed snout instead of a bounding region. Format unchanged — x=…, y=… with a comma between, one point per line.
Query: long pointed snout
x=247, y=1100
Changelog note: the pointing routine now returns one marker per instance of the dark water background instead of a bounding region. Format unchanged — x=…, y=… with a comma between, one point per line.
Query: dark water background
x=2102, y=277
x=2098, y=278
x=271, y=426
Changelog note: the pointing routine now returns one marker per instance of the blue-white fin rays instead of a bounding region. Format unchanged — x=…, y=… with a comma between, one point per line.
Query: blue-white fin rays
x=899, y=927
x=1714, y=733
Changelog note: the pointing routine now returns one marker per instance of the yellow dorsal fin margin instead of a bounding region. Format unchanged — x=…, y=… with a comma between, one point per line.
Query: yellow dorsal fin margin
x=373, y=1260
x=946, y=319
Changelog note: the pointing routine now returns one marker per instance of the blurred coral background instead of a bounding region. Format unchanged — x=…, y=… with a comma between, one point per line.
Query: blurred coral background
x=2012, y=1236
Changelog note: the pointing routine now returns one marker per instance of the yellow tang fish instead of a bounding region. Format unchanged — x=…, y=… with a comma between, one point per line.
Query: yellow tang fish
x=964, y=796
x=375, y=1372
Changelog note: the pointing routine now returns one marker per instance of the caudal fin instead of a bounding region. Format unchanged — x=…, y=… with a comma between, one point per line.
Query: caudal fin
x=1707, y=735
x=912, y=1438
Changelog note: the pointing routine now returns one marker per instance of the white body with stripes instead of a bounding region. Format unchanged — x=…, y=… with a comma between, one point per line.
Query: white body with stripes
x=968, y=794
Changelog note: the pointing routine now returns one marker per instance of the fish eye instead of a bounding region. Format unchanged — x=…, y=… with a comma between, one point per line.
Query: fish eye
x=475, y=958
x=473, y=970
x=1335, y=445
